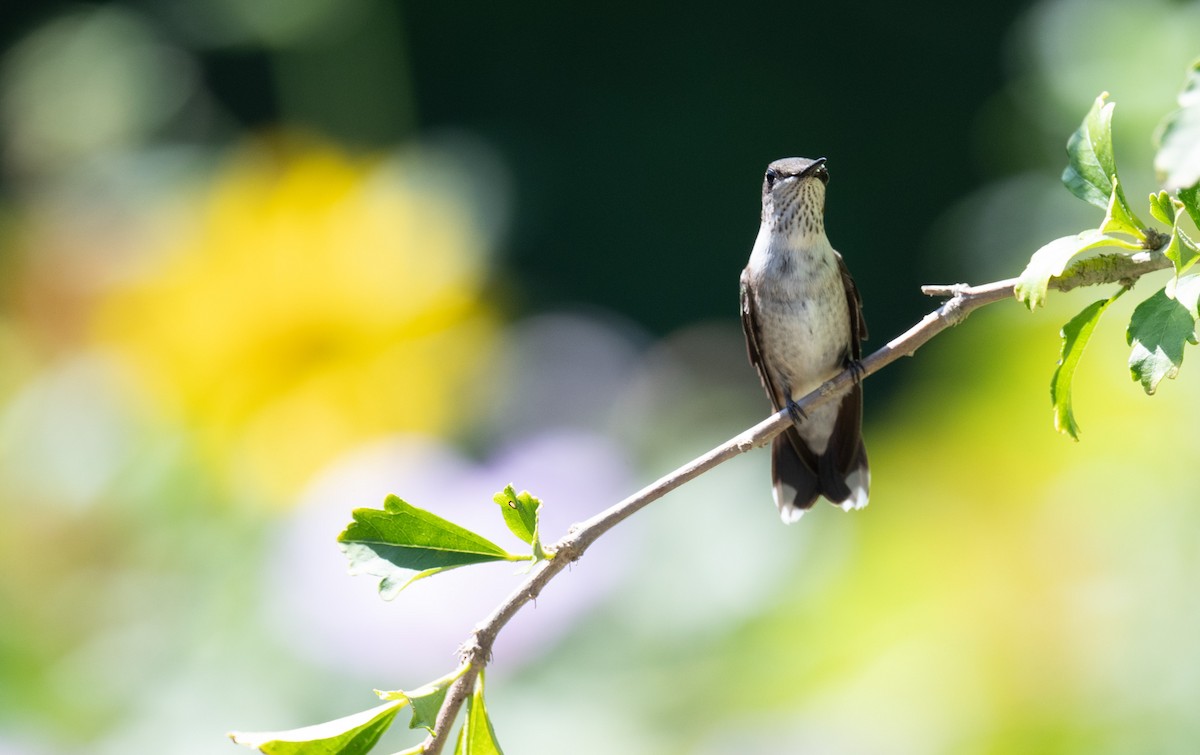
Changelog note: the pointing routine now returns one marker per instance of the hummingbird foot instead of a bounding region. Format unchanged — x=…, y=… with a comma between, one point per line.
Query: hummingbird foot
x=857, y=371
x=795, y=412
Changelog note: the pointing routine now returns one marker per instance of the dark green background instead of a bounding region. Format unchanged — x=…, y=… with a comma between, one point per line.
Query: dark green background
x=637, y=133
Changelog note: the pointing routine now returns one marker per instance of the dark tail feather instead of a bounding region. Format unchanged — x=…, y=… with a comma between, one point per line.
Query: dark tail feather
x=833, y=482
x=856, y=481
x=796, y=486
x=845, y=477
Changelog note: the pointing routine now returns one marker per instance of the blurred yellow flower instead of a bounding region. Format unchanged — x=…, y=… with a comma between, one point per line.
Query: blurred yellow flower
x=319, y=300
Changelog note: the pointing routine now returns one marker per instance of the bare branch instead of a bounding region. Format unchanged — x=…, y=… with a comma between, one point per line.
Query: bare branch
x=962, y=301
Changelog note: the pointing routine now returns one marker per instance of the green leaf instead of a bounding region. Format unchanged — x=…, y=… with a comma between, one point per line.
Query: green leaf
x=1075, y=335
x=425, y=701
x=1158, y=330
x=520, y=512
x=425, y=709
x=1178, y=160
x=1052, y=259
x=1091, y=165
x=477, y=736
x=402, y=536
x=1190, y=199
x=1119, y=218
x=1185, y=289
x=1163, y=207
x=352, y=735
x=1181, y=250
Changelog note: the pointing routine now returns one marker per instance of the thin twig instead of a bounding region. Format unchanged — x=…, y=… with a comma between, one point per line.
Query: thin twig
x=964, y=300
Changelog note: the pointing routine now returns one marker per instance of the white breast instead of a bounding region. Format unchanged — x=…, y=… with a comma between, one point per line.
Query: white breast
x=804, y=318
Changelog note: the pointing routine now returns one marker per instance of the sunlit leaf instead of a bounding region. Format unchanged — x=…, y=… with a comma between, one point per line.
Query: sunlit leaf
x=1052, y=259
x=1190, y=197
x=1158, y=331
x=1178, y=158
x=425, y=701
x=520, y=512
x=352, y=735
x=1119, y=218
x=477, y=736
x=1181, y=250
x=1162, y=208
x=1075, y=335
x=1185, y=289
x=425, y=709
x=1091, y=165
x=402, y=536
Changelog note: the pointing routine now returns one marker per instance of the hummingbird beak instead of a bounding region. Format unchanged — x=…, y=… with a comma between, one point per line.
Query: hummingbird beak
x=816, y=165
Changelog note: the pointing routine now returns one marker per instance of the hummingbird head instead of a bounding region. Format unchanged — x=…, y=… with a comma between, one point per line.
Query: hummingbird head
x=793, y=195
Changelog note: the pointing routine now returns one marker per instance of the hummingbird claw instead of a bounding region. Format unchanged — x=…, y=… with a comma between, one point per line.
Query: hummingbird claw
x=857, y=371
x=795, y=412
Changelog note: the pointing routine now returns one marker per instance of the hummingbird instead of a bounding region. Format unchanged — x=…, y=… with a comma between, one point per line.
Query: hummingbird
x=802, y=316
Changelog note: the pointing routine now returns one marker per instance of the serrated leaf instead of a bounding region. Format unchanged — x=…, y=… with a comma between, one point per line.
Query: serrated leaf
x=1162, y=208
x=477, y=736
x=1091, y=165
x=352, y=735
x=1190, y=198
x=1075, y=335
x=1178, y=160
x=1052, y=259
x=402, y=536
x=520, y=512
x=1158, y=330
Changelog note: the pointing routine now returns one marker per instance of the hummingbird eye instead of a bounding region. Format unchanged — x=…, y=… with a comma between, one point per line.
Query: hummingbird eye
x=771, y=176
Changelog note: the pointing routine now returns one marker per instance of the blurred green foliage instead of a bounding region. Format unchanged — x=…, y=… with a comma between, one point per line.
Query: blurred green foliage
x=355, y=207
